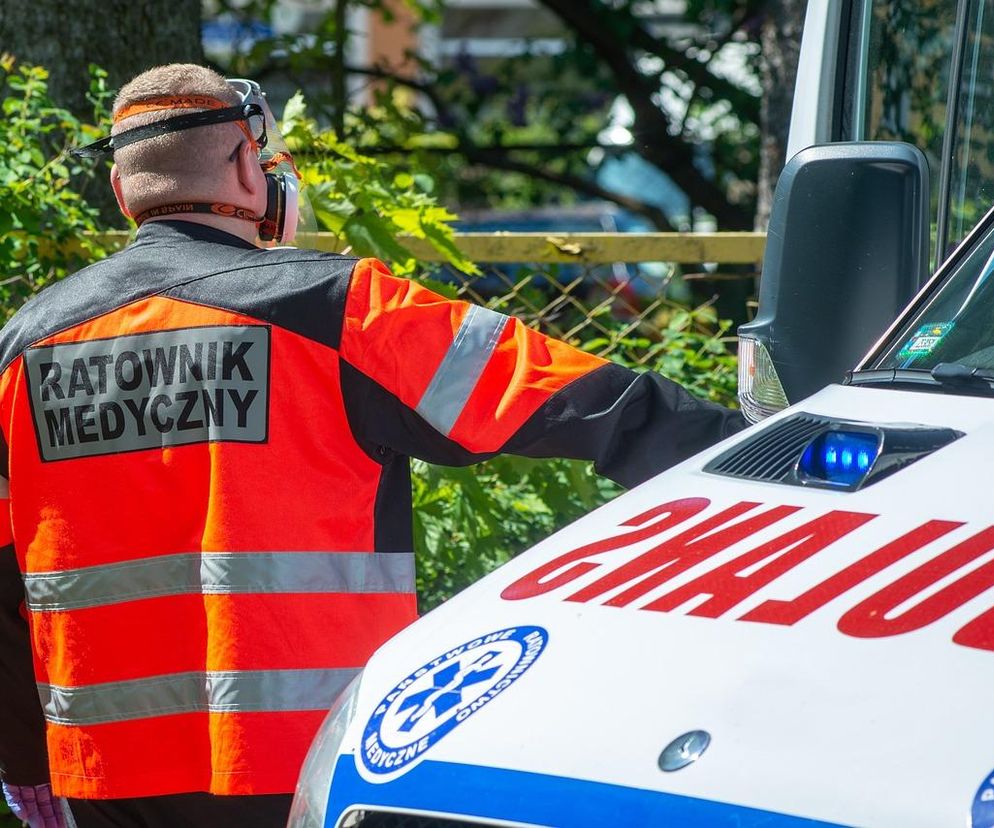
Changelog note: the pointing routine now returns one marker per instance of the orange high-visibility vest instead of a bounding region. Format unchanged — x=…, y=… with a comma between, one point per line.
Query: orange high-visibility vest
x=209, y=494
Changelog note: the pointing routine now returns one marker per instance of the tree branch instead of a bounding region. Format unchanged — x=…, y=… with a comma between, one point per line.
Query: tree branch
x=588, y=19
x=697, y=72
x=423, y=87
x=699, y=189
x=497, y=158
x=500, y=161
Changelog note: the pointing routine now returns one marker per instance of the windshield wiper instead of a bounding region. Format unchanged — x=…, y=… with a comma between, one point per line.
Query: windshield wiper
x=946, y=376
x=962, y=376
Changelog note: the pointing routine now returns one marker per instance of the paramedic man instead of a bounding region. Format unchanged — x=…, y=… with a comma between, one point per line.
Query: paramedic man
x=206, y=446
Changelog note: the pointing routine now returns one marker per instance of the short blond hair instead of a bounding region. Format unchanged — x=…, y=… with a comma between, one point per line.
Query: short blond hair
x=178, y=165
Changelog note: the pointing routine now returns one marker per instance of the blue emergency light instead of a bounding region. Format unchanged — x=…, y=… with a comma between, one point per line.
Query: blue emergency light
x=839, y=458
x=828, y=453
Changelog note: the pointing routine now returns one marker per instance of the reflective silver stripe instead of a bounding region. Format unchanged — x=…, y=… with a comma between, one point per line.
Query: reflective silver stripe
x=227, y=691
x=461, y=367
x=220, y=573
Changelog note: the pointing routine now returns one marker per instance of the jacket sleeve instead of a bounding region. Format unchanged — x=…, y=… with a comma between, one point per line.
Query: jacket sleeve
x=454, y=383
x=23, y=752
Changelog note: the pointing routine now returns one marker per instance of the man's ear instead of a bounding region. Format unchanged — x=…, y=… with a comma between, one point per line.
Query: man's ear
x=115, y=183
x=250, y=175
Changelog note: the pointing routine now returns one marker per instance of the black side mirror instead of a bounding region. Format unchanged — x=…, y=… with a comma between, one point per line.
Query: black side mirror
x=847, y=248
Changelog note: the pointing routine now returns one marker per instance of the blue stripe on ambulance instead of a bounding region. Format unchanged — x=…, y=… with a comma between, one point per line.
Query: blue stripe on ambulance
x=537, y=799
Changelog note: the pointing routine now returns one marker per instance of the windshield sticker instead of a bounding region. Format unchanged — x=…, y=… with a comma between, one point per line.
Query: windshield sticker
x=443, y=693
x=982, y=812
x=925, y=340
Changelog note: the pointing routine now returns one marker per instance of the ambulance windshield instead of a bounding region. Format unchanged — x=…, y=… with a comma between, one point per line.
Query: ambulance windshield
x=956, y=323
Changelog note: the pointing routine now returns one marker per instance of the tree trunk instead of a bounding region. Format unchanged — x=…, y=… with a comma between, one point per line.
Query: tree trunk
x=339, y=90
x=781, y=42
x=124, y=37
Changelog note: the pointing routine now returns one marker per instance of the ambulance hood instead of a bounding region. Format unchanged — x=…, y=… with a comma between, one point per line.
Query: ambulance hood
x=834, y=650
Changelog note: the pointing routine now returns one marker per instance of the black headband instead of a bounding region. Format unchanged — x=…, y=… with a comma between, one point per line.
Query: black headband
x=197, y=119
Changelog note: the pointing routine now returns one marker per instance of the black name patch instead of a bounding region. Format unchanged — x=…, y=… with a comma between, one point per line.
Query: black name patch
x=168, y=388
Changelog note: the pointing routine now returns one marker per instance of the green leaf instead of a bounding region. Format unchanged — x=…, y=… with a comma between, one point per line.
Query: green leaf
x=442, y=239
x=424, y=182
x=295, y=110
x=446, y=289
x=408, y=221
x=370, y=236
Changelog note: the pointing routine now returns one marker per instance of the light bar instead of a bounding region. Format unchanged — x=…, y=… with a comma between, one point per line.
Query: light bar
x=839, y=459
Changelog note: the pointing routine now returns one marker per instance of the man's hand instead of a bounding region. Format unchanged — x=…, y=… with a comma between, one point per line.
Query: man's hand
x=36, y=806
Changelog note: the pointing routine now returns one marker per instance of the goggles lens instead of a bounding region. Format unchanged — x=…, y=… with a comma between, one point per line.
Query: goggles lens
x=256, y=125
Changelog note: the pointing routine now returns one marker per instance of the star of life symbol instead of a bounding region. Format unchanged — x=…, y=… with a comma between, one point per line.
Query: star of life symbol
x=447, y=688
x=982, y=812
x=445, y=692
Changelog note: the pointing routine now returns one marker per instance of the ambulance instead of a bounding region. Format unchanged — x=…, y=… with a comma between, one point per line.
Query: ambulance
x=795, y=628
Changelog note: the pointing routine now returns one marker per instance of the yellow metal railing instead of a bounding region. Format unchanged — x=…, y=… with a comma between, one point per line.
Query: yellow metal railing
x=576, y=248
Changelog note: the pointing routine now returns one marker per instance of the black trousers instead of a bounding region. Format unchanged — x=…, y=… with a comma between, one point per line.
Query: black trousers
x=181, y=810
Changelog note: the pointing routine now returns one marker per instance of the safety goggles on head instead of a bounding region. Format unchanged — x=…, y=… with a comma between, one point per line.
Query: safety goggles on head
x=272, y=150
x=249, y=115
x=254, y=117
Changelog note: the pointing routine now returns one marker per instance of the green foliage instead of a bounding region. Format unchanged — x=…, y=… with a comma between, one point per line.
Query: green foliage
x=691, y=347
x=42, y=218
x=469, y=521
x=364, y=200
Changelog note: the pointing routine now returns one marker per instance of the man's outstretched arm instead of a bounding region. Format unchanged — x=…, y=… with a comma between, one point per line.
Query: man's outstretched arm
x=454, y=383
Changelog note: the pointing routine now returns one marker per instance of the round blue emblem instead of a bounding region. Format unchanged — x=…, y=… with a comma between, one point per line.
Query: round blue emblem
x=982, y=813
x=445, y=692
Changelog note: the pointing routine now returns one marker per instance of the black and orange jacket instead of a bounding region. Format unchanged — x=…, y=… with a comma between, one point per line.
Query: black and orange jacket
x=207, y=451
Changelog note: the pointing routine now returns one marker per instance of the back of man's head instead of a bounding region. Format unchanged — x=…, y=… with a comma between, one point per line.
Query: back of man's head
x=190, y=164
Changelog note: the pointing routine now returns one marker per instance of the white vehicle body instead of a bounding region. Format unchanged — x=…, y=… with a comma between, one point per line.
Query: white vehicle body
x=810, y=725
x=713, y=650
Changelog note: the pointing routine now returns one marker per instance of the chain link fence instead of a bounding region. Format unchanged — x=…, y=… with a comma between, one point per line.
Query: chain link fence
x=616, y=310
x=619, y=296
